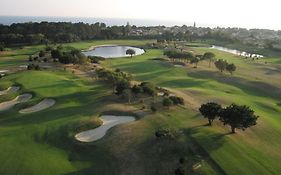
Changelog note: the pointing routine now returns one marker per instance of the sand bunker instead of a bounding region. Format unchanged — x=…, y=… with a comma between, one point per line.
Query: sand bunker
x=44, y=104
x=4, y=71
x=109, y=121
x=12, y=89
x=19, y=99
x=177, y=65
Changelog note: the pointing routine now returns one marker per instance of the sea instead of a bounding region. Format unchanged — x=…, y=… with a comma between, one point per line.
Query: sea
x=8, y=20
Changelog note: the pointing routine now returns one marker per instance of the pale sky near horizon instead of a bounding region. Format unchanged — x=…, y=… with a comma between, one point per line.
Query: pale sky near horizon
x=239, y=13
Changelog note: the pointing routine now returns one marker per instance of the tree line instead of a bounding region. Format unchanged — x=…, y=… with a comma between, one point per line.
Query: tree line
x=58, y=32
x=189, y=57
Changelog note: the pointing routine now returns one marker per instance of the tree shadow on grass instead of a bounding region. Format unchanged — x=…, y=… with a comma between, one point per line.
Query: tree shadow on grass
x=204, y=144
x=254, y=88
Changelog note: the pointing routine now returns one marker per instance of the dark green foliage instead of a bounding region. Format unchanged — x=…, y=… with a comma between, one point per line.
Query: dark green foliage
x=177, y=54
x=30, y=58
x=195, y=61
x=56, y=53
x=33, y=67
x=231, y=68
x=74, y=56
x=164, y=133
x=41, y=53
x=240, y=117
x=148, y=88
x=210, y=111
x=130, y=52
x=209, y=56
x=96, y=59
x=119, y=80
x=221, y=64
x=167, y=102
x=179, y=171
x=136, y=89
x=153, y=108
x=48, y=48
x=177, y=100
x=122, y=85
x=1, y=47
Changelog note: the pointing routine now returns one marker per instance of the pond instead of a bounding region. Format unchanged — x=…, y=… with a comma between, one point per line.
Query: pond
x=237, y=52
x=112, y=51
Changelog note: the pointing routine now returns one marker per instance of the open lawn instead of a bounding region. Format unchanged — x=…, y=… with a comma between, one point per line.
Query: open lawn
x=255, y=151
x=43, y=142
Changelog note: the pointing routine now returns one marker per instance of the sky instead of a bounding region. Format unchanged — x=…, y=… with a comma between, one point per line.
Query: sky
x=226, y=13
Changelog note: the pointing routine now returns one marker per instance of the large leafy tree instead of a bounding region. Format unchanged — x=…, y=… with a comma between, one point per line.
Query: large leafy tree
x=130, y=52
x=231, y=68
x=210, y=111
x=209, y=56
x=221, y=64
x=240, y=117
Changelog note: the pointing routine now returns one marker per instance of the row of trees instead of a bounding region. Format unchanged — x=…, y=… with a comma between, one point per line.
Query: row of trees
x=45, y=32
x=223, y=65
x=220, y=64
x=235, y=116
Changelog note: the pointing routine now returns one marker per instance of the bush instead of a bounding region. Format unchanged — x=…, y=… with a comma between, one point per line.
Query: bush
x=48, y=48
x=30, y=58
x=41, y=53
x=164, y=133
x=153, y=108
x=177, y=100
x=33, y=67
x=148, y=88
x=167, y=102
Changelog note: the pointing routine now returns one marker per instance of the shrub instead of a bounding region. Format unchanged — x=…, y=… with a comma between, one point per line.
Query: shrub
x=177, y=100
x=153, y=108
x=167, y=102
x=41, y=53
x=164, y=133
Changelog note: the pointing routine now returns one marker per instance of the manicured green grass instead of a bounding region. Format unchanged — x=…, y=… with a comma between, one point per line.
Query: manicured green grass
x=251, y=152
x=18, y=56
x=42, y=143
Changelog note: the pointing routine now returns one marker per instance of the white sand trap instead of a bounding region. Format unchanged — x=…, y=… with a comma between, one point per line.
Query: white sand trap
x=109, y=121
x=177, y=65
x=44, y=104
x=19, y=99
x=4, y=71
x=12, y=89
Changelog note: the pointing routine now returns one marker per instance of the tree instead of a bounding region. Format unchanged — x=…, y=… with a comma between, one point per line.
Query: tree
x=41, y=53
x=195, y=61
x=240, y=117
x=56, y=53
x=221, y=64
x=130, y=52
x=128, y=93
x=231, y=68
x=164, y=133
x=136, y=90
x=1, y=48
x=167, y=102
x=177, y=100
x=209, y=56
x=121, y=86
x=210, y=111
